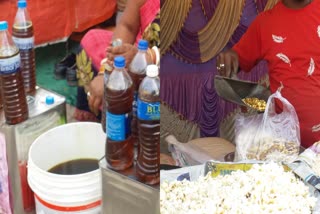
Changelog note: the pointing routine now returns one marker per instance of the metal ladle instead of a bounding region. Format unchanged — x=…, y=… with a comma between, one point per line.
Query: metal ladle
x=234, y=90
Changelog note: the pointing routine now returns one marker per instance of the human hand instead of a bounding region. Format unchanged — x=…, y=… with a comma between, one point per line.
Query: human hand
x=128, y=51
x=95, y=94
x=228, y=63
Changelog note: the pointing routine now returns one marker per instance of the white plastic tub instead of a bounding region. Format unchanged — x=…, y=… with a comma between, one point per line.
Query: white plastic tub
x=68, y=194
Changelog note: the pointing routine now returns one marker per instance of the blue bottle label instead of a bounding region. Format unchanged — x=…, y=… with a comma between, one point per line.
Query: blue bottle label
x=24, y=43
x=10, y=65
x=118, y=126
x=134, y=104
x=148, y=111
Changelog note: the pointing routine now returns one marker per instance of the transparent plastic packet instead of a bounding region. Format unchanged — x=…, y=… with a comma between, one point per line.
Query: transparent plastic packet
x=303, y=167
x=186, y=154
x=307, y=166
x=246, y=126
x=5, y=207
x=273, y=136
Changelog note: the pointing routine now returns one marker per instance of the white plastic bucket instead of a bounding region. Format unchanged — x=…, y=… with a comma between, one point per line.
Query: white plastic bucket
x=68, y=194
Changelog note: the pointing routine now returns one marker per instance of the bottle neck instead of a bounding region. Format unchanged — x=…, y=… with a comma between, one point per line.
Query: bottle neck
x=22, y=18
x=118, y=68
x=5, y=38
x=7, y=46
x=142, y=51
x=21, y=11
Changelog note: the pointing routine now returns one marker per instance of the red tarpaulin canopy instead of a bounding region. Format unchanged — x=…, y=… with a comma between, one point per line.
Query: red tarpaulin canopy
x=56, y=20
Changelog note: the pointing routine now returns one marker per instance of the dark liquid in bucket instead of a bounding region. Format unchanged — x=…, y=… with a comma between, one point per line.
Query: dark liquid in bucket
x=75, y=167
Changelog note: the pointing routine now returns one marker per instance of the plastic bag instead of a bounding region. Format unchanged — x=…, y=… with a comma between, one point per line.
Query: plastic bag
x=5, y=207
x=186, y=154
x=272, y=136
x=307, y=168
x=246, y=128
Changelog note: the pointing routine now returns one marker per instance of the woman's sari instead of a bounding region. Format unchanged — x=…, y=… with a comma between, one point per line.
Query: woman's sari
x=94, y=45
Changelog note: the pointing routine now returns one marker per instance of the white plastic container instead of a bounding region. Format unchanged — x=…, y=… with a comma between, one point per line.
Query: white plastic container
x=67, y=194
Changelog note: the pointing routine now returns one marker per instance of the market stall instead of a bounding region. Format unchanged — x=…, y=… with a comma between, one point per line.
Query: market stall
x=267, y=171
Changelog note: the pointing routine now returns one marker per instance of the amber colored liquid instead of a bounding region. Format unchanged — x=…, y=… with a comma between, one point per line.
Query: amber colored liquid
x=148, y=165
x=13, y=97
x=28, y=68
x=75, y=167
x=119, y=155
x=103, y=114
x=137, y=79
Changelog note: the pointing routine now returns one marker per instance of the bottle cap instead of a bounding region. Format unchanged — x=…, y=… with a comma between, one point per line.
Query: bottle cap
x=49, y=100
x=119, y=62
x=143, y=45
x=3, y=25
x=22, y=4
x=152, y=71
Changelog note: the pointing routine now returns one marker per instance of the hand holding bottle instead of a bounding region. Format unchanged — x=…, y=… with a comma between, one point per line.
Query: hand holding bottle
x=128, y=51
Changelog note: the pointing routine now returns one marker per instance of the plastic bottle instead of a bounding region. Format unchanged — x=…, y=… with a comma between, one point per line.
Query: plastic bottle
x=148, y=164
x=22, y=33
x=119, y=98
x=13, y=95
x=107, y=71
x=137, y=72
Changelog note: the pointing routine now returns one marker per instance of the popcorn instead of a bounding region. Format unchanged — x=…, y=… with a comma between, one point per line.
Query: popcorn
x=265, y=189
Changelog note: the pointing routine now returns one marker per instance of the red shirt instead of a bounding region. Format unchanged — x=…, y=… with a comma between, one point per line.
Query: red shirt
x=289, y=40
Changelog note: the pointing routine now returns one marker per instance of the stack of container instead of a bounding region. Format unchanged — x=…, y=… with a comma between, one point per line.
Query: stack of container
x=27, y=111
x=131, y=185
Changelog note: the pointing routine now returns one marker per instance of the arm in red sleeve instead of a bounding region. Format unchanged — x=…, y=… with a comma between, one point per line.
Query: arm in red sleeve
x=249, y=47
